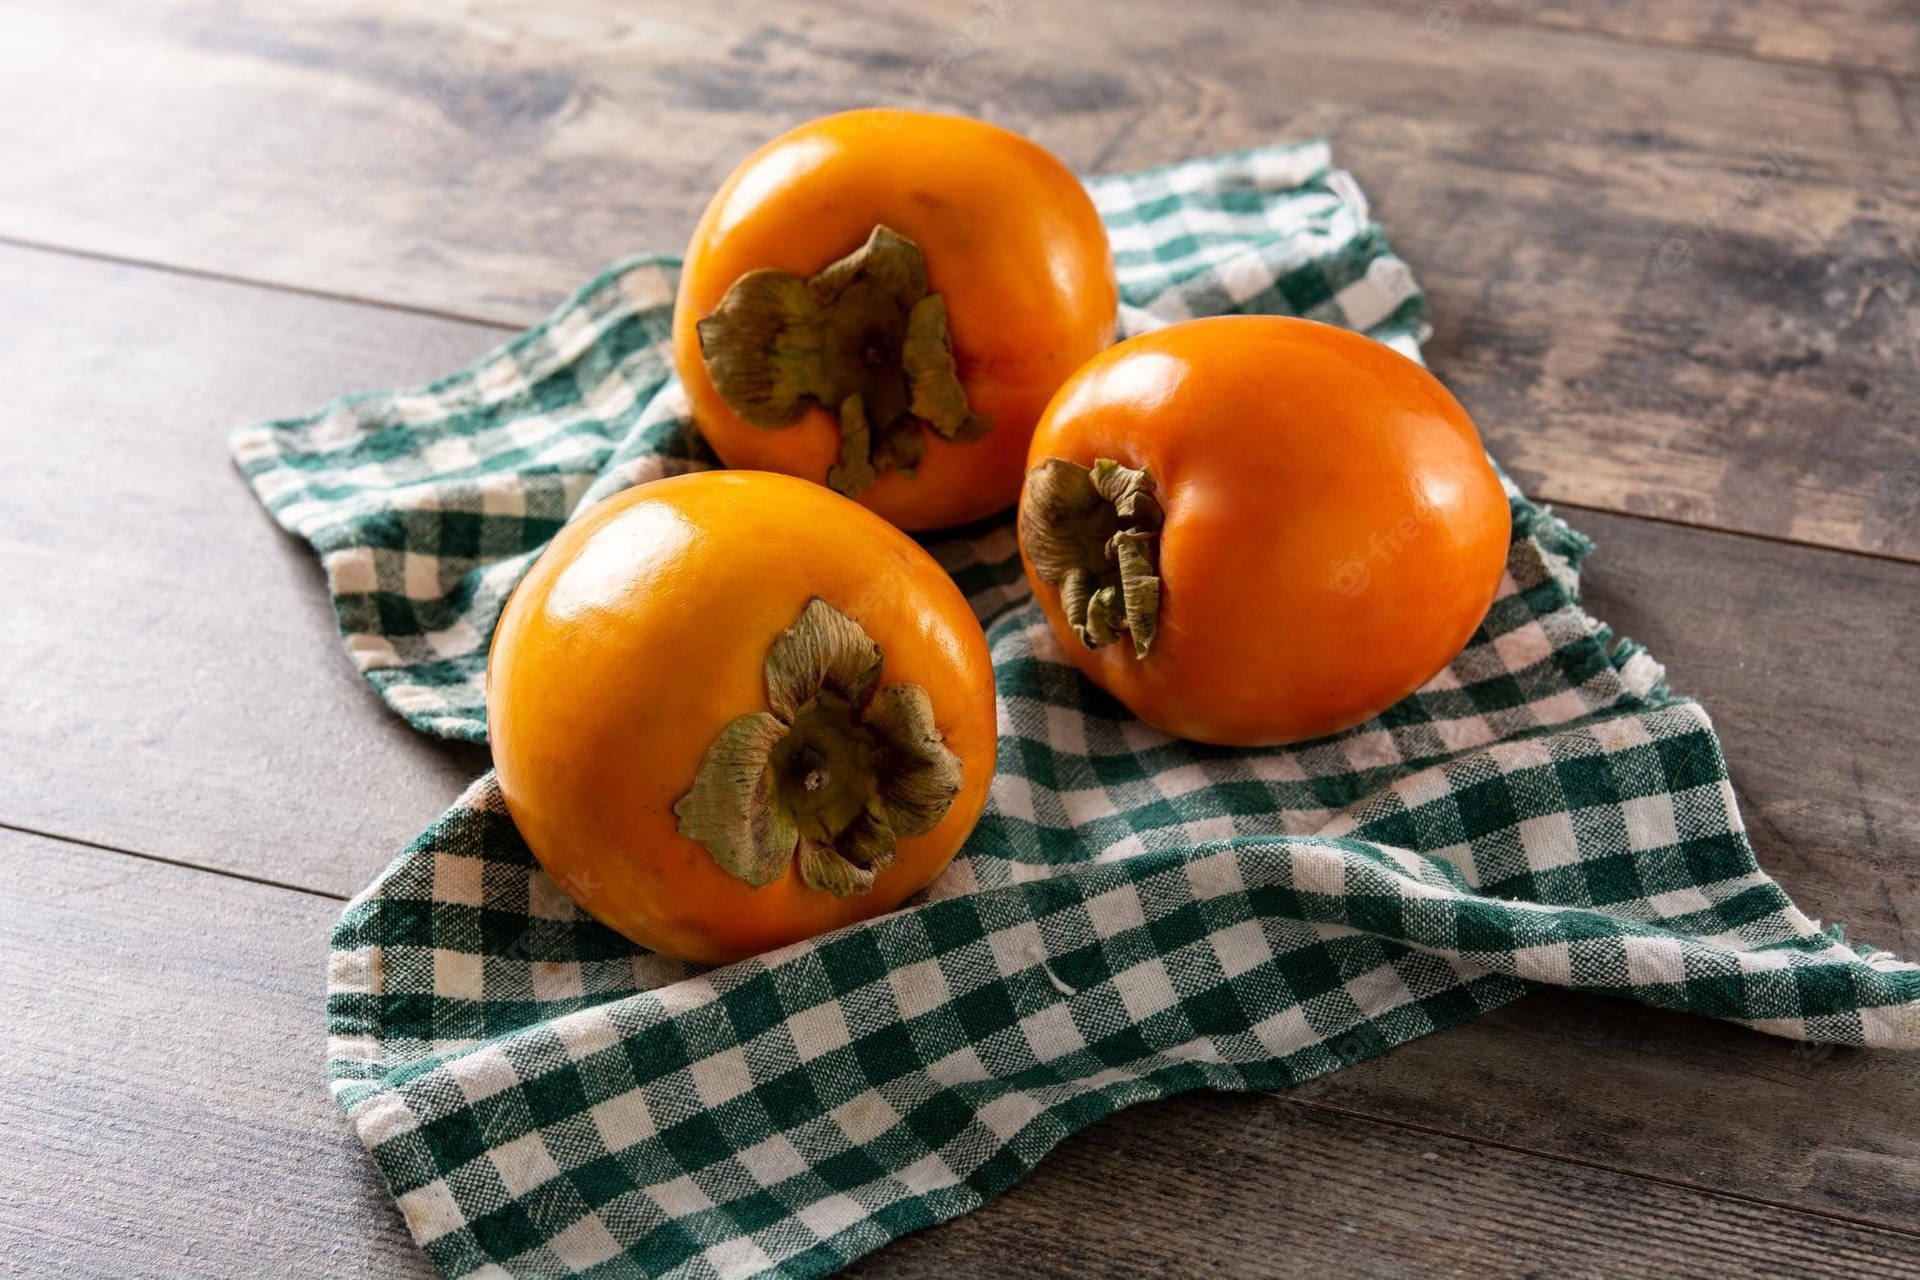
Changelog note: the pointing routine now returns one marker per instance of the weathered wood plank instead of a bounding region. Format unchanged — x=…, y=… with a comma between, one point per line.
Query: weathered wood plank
x=171, y=678
x=1804, y=656
x=1858, y=35
x=1212, y=1184
x=167, y=1111
x=389, y=153
x=124, y=723
x=168, y=1118
x=1651, y=267
x=1791, y=649
x=1809, y=662
x=1665, y=1095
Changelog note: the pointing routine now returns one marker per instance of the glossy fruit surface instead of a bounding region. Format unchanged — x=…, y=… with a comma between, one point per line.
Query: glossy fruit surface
x=1317, y=533
x=1009, y=243
x=656, y=625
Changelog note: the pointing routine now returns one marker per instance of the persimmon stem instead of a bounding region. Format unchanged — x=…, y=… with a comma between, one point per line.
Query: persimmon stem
x=831, y=775
x=812, y=763
x=1094, y=533
x=863, y=339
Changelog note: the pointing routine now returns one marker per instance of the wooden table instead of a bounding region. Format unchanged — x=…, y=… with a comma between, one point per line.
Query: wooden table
x=1673, y=252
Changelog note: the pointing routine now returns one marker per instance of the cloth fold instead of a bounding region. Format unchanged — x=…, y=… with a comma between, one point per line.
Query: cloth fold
x=1134, y=916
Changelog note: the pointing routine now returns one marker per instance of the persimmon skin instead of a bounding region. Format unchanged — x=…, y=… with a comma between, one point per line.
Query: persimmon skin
x=1011, y=241
x=1334, y=531
x=643, y=630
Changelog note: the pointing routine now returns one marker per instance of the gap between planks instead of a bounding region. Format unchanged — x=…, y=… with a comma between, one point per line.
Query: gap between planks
x=1470, y=12
x=182, y=864
x=1731, y=531
x=1285, y=1098
x=436, y=313
x=54, y=249
x=1656, y=398
x=1332, y=1108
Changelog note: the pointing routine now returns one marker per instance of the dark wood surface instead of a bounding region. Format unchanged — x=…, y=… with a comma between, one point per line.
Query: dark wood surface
x=172, y=1127
x=166, y=1113
x=1654, y=265
x=385, y=187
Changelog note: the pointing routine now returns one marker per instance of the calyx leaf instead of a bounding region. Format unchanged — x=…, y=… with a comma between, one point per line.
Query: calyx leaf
x=822, y=867
x=835, y=772
x=1094, y=532
x=823, y=649
x=863, y=338
x=729, y=808
x=919, y=777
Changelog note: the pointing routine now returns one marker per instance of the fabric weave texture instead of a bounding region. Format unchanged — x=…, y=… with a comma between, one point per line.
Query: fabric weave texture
x=1135, y=915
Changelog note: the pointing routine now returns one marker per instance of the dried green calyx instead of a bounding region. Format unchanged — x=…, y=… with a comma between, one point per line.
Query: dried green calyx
x=834, y=771
x=1094, y=533
x=863, y=339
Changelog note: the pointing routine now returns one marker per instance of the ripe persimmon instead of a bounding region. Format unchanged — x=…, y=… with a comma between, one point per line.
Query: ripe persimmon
x=884, y=301
x=731, y=710
x=1254, y=530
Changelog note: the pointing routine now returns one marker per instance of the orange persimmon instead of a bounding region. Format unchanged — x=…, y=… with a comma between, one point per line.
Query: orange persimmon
x=732, y=710
x=1254, y=530
x=884, y=301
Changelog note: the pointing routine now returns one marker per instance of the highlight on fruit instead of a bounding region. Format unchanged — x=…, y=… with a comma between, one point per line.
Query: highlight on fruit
x=1254, y=530
x=884, y=301
x=733, y=710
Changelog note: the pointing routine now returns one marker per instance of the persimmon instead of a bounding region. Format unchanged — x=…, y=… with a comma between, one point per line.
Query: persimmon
x=732, y=710
x=1255, y=530
x=884, y=301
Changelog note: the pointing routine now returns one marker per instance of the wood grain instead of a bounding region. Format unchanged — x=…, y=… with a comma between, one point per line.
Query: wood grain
x=1651, y=267
x=1809, y=662
x=169, y=1118
x=1806, y=658
x=250, y=751
x=1794, y=695
x=1847, y=35
x=171, y=678
x=1668, y=281
x=1211, y=1184
x=167, y=1111
x=1662, y=1095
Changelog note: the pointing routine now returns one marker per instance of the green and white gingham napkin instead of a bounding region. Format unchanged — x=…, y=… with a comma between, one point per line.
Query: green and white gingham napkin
x=1135, y=915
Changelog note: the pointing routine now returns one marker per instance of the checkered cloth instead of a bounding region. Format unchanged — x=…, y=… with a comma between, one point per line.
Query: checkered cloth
x=1135, y=915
